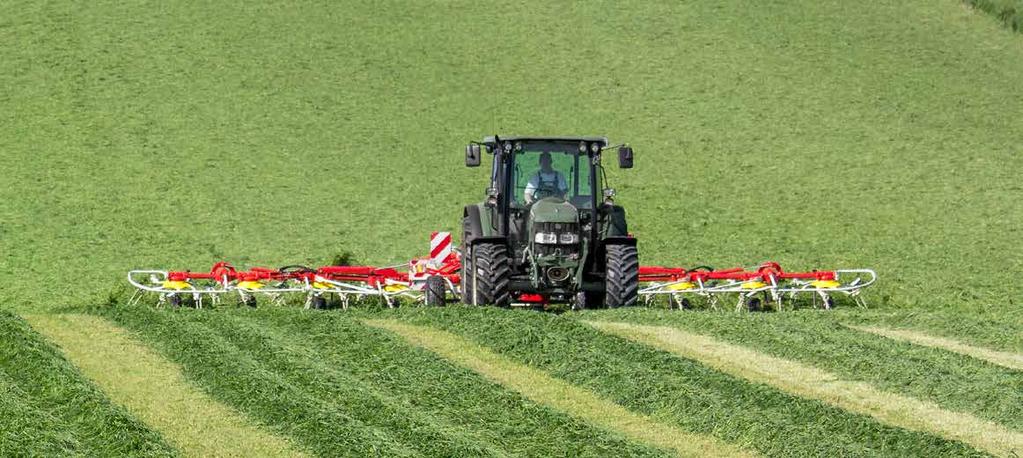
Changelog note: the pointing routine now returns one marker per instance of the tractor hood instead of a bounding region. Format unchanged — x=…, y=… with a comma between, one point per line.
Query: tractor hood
x=553, y=210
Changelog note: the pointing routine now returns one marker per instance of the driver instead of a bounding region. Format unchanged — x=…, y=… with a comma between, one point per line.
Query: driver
x=546, y=182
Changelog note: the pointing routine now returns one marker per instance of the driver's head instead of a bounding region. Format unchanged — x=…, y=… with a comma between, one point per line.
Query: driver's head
x=545, y=162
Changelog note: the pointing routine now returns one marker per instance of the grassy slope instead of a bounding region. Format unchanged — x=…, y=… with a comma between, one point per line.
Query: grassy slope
x=817, y=133
x=340, y=388
x=682, y=392
x=48, y=408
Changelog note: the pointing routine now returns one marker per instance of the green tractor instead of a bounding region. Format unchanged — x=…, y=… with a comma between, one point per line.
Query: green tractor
x=548, y=230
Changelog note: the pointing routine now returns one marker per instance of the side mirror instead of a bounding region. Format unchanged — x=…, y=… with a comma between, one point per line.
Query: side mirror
x=472, y=155
x=625, y=157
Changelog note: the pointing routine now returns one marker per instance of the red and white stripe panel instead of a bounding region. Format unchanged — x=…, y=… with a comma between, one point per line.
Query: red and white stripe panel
x=440, y=248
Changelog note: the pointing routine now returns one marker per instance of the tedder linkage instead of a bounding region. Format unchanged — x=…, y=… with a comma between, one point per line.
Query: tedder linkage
x=436, y=279
x=753, y=288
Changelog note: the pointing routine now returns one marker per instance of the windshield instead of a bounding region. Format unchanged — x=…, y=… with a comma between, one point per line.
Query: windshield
x=551, y=172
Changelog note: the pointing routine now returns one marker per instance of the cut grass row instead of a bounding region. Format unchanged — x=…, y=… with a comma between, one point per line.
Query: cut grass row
x=1001, y=358
x=953, y=381
x=154, y=390
x=811, y=382
x=547, y=390
x=342, y=389
x=681, y=392
x=1009, y=12
x=49, y=408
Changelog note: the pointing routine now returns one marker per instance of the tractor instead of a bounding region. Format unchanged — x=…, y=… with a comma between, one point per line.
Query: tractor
x=548, y=230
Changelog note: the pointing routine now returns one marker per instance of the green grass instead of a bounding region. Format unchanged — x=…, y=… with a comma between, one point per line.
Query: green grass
x=682, y=392
x=1009, y=12
x=47, y=408
x=341, y=388
x=816, y=133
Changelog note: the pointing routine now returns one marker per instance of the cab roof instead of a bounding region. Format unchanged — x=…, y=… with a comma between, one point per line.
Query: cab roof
x=519, y=138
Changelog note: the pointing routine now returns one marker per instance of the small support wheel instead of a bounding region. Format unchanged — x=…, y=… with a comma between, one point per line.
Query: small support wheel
x=436, y=291
x=318, y=302
x=250, y=301
x=174, y=300
x=754, y=304
x=679, y=303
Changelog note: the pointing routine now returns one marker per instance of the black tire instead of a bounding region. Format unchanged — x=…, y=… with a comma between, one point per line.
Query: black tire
x=250, y=301
x=174, y=300
x=465, y=284
x=622, y=282
x=491, y=272
x=754, y=304
x=318, y=302
x=436, y=291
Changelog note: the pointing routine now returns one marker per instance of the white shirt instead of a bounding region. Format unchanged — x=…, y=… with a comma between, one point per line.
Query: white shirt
x=548, y=178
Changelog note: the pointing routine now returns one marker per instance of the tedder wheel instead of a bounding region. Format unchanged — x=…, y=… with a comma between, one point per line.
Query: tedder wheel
x=318, y=302
x=491, y=271
x=681, y=304
x=174, y=300
x=436, y=291
x=250, y=301
x=622, y=282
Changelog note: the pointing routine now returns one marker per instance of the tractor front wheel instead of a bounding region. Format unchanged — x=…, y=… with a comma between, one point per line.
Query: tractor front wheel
x=489, y=275
x=622, y=281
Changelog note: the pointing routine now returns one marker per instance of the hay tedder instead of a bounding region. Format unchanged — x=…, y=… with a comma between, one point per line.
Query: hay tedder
x=541, y=236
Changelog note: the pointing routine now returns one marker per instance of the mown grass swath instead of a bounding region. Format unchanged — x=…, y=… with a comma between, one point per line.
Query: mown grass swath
x=340, y=388
x=154, y=390
x=1009, y=12
x=680, y=391
x=559, y=394
x=954, y=381
x=999, y=327
x=50, y=409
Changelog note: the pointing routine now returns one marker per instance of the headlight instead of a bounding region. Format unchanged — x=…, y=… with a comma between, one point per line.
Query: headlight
x=568, y=238
x=546, y=237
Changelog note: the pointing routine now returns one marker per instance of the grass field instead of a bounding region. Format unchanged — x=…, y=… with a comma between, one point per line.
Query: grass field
x=819, y=134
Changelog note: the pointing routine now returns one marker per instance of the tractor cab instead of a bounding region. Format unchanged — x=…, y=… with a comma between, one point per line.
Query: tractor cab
x=547, y=209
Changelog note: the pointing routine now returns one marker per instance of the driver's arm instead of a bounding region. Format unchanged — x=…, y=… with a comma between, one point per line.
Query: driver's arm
x=531, y=186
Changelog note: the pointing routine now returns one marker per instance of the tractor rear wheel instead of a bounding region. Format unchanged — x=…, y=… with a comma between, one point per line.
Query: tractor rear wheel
x=465, y=277
x=436, y=291
x=622, y=281
x=490, y=273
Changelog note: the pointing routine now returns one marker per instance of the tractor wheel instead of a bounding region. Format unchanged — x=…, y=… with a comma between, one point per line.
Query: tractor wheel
x=436, y=291
x=622, y=282
x=465, y=281
x=491, y=272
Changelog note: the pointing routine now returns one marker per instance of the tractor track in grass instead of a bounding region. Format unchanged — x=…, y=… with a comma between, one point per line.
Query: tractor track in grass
x=50, y=409
x=1001, y=358
x=682, y=392
x=155, y=390
x=811, y=382
x=556, y=393
x=296, y=370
